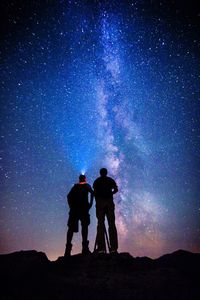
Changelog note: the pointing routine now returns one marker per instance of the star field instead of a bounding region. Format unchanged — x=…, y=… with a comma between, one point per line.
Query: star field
x=91, y=84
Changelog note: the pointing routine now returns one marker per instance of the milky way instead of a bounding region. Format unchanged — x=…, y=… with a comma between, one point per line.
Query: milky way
x=91, y=84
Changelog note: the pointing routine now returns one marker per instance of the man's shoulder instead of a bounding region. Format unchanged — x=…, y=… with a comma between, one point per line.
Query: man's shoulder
x=110, y=179
x=96, y=180
x=88, y=186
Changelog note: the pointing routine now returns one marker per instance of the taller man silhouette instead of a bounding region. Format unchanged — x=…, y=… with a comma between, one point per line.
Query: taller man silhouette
x=104, y=189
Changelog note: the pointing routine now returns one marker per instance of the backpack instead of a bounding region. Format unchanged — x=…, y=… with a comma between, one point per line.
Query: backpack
x=72, y=197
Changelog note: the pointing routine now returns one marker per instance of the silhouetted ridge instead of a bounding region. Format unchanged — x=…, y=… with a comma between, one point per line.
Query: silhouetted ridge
x=180, y=259
x=30, y=275
x=23, y=261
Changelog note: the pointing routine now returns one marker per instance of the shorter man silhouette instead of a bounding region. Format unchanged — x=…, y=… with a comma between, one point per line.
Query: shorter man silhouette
x=104, y=189
x=79, y=210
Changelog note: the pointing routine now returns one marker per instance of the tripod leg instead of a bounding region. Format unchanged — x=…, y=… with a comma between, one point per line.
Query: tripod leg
x=107, y=239
x=95, y=245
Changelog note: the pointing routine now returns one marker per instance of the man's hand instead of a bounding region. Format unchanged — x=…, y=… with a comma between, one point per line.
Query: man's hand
x=115, y=190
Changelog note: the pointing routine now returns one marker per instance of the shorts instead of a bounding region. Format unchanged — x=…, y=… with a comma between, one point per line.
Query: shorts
x=74, y=219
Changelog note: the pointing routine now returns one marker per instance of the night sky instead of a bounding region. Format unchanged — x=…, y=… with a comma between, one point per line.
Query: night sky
x=91, y=84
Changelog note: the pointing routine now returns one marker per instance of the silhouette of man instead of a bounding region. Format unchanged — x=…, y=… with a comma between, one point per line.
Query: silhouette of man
x=104, y=189
x=79, y=210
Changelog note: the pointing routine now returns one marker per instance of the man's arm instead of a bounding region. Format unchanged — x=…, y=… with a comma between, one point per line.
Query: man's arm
x=115, y=188
x=94, y=188
x=91, y=196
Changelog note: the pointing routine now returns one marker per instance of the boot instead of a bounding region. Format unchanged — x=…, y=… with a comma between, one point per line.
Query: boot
x=85, y=248
x=68, y=250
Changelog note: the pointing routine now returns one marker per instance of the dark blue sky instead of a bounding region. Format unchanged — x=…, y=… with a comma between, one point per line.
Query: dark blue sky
x=91, y=84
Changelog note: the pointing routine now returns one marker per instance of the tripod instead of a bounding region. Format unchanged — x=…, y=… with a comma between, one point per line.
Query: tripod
x=107, y=242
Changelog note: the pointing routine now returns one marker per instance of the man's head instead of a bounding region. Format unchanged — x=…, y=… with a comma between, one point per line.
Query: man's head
x=82, y=178
x=103, y=172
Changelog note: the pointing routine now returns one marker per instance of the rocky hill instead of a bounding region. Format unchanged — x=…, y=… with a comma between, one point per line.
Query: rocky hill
x=30, y=275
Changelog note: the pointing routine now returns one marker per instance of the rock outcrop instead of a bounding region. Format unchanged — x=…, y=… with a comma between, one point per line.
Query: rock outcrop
x=30, y=275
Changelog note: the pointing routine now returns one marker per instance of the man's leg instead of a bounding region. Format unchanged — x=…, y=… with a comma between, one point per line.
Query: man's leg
x=72, y=227
x=69, y=235
x=69, y=240
x=85, y=242
x=100, y=227
x=84, y=233
x=85, y=221
x=110, y=213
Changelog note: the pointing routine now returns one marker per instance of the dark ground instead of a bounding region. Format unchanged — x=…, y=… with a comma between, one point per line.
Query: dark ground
x=30, y=275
